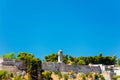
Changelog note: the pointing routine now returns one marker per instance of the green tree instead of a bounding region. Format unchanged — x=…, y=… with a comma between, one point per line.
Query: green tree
x=100, y=58
x=65, y=59
x=32, y=64
x=68, y=59
x=52, y=57
x=81, y=62
x=9, y=55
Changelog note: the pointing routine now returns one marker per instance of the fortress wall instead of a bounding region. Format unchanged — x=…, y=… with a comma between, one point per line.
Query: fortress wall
x=12, y=69
x=10, y=62
x=96, y=69
x=53, y=66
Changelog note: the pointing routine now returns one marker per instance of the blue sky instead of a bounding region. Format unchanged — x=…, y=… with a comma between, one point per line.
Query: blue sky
x=78, y=27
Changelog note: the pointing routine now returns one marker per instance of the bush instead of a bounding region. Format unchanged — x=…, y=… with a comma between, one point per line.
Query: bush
x=115, y=77
x=58, y=73
x=65, y=77
x=82, y=76
x=101, y=77
x=4, y=74
x=18, y=78
x=46, y=75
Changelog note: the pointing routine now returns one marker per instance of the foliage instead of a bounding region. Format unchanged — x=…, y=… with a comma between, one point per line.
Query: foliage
x=46, y=75
x=9, y=55
x=4, y=74
x=33, y=65
x=52, y=57
x=65, y=58
x=91, y=76
x=101, y=77
x=82, y=76
x=59, y=74
x=72, y=74
x=68, y=59
x=115, y=77
x=81, y=62
x=18, y=78
x=56, y=72
x=65, y=76
x=118, y=61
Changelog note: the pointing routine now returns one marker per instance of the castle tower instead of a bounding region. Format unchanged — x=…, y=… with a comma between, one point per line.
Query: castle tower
x=60, y=56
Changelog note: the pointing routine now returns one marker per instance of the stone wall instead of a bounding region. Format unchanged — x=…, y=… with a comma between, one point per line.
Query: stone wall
x=12, y=69
x=53, y=66
x=11, y=62
x=12, y=65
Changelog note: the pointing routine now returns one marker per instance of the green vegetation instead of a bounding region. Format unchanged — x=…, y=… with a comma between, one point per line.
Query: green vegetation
x=101, y=77
x=115, y=77
x=68, y=59
x=58, y=73
x=52, y=57
x=4, y=74
x=72, y=74
x=118, y=61
x=47, y=75
x=90, y=76
x=33, y=65
x=65, y=76
x=9, y=55
x=18, y=78
x=82, y=76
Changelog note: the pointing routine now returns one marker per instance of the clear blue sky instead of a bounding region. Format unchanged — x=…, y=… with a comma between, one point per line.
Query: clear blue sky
x=78, y=27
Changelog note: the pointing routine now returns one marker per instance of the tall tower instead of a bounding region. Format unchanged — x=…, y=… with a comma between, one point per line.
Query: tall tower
x=60, y=56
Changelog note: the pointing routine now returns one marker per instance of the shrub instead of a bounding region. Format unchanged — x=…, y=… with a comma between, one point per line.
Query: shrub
x=65, y=77
x=115, y=77
x=18, y=78
x=46, y=75
x=4, y=74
